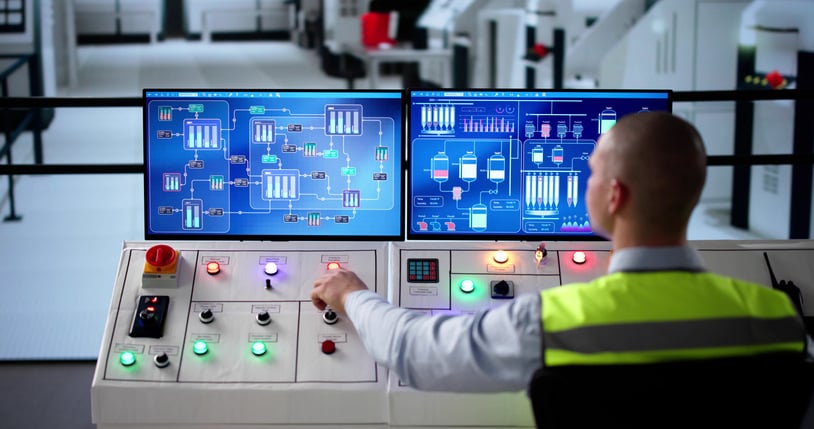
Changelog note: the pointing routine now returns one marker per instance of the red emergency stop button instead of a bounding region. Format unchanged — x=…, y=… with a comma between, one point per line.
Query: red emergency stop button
x=328, y=347
x=161, y=255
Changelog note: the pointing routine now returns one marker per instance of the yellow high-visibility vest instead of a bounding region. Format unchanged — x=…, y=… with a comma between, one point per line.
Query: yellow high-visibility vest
x=629, y=318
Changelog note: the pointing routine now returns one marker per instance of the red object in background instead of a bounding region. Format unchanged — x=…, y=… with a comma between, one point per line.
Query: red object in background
x=540, y=50
x=774, y=78
x=375, y=29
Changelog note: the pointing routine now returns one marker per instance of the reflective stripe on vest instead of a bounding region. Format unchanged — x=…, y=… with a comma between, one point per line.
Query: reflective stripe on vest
x=659, y=316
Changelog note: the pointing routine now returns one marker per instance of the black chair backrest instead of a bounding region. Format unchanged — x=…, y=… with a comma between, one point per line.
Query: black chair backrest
x=769, y=391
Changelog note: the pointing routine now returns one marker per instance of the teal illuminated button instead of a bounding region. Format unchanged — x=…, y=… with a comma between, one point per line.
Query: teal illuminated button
x=258, y=348
x=200, y=347
x=467, y=286
x=127, y=358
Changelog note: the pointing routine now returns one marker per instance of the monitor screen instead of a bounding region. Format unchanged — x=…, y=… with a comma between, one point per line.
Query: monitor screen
x=273, y=165
x=508, y=164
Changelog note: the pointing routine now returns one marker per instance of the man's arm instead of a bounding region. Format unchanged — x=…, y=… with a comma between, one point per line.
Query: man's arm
x=493, y=350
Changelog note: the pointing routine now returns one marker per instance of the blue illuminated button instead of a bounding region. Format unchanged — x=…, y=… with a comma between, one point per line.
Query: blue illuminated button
x=200, y=347
x=127, y=358
x=271, y=269
x=467, y=286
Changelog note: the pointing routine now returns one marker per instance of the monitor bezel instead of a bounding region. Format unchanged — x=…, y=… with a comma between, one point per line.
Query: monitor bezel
x=414, y=236
x=399, y=163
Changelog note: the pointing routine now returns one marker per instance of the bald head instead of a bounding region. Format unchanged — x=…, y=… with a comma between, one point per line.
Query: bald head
x=660, y=158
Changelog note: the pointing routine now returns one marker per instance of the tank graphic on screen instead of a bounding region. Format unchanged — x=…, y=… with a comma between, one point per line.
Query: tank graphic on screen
x=484, y=176
x=273, y=164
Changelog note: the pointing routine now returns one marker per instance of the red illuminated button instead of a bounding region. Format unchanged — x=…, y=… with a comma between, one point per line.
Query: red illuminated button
x=212, y=268
x=328, y=347
x=333, y=265
x=578, y=258
x=160, y=255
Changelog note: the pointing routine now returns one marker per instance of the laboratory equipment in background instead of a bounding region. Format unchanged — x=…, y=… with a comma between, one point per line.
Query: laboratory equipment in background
x=776, y=52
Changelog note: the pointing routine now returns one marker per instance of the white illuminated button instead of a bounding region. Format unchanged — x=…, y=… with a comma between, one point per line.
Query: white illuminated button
x=271, y=268
x=500, y=257
x=333, y=265
x=578, y=258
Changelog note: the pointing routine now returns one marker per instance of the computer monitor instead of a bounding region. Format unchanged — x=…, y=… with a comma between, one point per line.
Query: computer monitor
x=273, y=164
x=510, y=164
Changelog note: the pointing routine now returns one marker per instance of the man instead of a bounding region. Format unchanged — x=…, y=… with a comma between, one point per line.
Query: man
x=657, y=302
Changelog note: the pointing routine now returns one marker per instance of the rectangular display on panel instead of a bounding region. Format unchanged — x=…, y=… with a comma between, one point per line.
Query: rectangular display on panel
x=274, y=165
x=508, y=164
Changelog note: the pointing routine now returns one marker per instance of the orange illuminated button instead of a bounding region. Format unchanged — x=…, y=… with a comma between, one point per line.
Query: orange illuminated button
x=500, y=257
x=213, y=267
x=328, y=347
x=333, y=265
x=578, y=258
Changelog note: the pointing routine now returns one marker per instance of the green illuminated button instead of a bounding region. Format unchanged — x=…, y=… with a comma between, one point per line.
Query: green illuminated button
x=200, y=347
x=127, y=358
x=258, y=348
x=467, y=286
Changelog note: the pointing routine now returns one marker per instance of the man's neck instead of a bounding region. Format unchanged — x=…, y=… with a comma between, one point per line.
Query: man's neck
x=624, y=237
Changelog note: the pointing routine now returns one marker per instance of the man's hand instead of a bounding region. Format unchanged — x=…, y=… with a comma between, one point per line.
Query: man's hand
x=331, y=289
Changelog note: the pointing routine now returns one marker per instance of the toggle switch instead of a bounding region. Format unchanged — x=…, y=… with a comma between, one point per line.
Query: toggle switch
x=330, y=317
x=328, y=347
x=263, y=318
x=502, y=289
x=161, y=360
x=206, y=316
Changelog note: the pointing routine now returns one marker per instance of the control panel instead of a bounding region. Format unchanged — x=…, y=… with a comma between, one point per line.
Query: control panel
x=220, y=335
x=225, y=333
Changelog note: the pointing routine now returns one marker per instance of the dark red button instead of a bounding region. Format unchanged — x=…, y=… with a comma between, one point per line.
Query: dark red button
x=328, y=347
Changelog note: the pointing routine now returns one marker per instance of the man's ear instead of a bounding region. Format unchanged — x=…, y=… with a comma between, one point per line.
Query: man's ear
x=619, y=196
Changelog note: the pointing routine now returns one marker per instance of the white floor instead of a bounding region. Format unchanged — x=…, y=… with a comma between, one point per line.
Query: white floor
x=59, y=263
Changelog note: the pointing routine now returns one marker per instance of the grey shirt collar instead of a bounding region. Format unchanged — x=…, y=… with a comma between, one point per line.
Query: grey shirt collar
x=633, y=259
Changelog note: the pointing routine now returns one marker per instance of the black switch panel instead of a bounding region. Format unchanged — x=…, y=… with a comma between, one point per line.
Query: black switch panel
x=151, y=313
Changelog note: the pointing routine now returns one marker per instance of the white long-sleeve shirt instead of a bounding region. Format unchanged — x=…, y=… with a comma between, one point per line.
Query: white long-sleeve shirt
x=492, y=350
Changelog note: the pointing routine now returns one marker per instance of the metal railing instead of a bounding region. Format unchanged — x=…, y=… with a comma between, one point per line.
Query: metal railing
x=801, y=159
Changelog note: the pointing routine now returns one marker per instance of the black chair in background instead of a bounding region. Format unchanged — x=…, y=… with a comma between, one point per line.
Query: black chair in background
x=771, y=391
x=342, y=65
